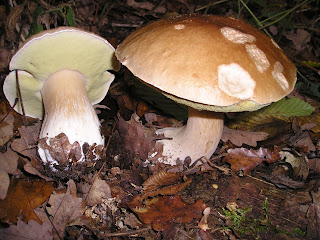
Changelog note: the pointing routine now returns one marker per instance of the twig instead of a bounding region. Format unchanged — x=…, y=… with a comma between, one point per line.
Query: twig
x=20, y=97
x=133, y=232
x=306, y=65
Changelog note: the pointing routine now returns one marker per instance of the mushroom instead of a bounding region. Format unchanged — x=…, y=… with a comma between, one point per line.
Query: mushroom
x=212, y=65
x=62, y=72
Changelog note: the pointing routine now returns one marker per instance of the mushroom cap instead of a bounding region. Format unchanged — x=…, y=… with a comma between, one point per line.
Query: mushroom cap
x=57, y=49
x=209, y=62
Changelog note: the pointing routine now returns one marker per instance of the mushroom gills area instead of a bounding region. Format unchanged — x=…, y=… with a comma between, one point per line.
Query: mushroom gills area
x=198, y=138
x=69, y=111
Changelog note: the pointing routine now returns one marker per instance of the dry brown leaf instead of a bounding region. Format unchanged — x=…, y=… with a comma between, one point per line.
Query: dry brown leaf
x=6, y=128
x=32, y=170
x=242, y=159
x=161, y=212
x=22, y=231
x=9, y=161
x=23, y=197
x=301, y=138
x=65, y=207
x=314, y=165
x=138, y=139
x=160, y=179
x=238, y=137
x=299, y=37
x=99, y=190
x=313, y=215
x=4, y=184
x=144, y=5
x=26, y=145
x=167, y=190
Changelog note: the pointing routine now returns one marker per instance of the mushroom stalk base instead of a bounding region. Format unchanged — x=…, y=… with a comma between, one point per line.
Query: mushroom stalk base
x=68, y=110
x=198, y=138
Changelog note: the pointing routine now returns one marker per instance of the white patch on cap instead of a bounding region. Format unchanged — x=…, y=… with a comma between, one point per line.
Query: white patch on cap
x=279, y=77
x=236, y=36
x=235, y=81
x=259, y=57
x=179, y=26
x=275, y=44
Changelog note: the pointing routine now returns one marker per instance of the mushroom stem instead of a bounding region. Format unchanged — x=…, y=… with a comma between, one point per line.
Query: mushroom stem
x=68, y=110
x=198, y=138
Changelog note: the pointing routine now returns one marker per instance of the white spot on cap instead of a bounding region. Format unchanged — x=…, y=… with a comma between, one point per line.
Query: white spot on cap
x=279, y=77
x=275, y=44
x=235, y=81
x=179, y=26
x=259, y=57
x=236, y=36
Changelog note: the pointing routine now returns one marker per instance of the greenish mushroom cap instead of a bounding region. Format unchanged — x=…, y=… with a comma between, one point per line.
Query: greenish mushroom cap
x=54, y=50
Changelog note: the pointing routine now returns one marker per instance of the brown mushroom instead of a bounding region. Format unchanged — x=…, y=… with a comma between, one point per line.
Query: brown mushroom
x=211, y=64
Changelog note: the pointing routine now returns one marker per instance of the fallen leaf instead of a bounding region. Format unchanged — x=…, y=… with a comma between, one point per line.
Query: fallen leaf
x=99, y=190
x=23, y=197
x=242, y=159
x=299, y=37
x=138, y=139
x=4, y=184
x=161, y=212
x=33, y=230
x=301, y=138
x=9, y=161
x=313, y=216
x=26, y=145
x=144, y=5
x=161, y=179
x=65, y=208
x=6, y=128
x=238, y=137
x=163, y=183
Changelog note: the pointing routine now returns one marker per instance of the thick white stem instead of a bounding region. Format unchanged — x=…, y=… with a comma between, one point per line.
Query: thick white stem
x=198, y=138
x=68, y=110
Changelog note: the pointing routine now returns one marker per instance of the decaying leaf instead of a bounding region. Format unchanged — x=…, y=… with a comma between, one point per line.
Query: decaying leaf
x=313, y=215
x=138, y=139
x=6, y=128
x=9, y=161
x=299, y=165
x=238, y=137
x=65, y=207
x=161, y=212
x=4, y=184
x=61, y=149
x=242, y=159
x=99, y=190
x=22, y=198
x=164, y=183
x=26, y=145
x=161, y=179
x=33, y=230
x=301, y=138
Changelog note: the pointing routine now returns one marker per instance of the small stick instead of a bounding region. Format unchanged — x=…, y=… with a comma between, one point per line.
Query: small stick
x=20, y=97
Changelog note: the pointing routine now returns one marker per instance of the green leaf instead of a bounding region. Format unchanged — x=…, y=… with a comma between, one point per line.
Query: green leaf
x=286, y=108
x=70, y=17
x=273, y=119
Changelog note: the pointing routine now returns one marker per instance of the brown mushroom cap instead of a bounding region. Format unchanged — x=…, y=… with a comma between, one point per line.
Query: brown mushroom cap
x=209, y=62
